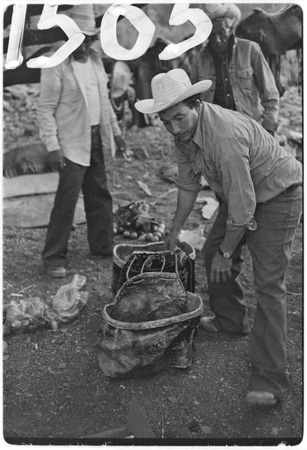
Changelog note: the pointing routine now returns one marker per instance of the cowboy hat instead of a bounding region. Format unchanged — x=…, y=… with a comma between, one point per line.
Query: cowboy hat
x=169, y=89
x=84, y=16
x=120, y=79
x=218, y=11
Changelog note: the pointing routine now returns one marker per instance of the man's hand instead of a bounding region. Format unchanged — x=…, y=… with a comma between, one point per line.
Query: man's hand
x=56, y=160
x=122, y=148
x=171, y=240
x=120, y=143
x=220, y=269
x=186, y=201
x=272, y=133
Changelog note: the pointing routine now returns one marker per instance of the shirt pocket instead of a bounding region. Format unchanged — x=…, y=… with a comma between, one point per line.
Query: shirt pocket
x=245, y=78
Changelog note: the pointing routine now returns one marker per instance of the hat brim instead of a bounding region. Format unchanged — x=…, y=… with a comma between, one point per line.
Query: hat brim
x=148, y=106
x=91, y=32
x=228, y=10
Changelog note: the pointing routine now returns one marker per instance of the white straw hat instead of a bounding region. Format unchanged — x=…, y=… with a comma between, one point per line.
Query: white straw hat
x=84, y=16
x=216, y=11
x=169, y=89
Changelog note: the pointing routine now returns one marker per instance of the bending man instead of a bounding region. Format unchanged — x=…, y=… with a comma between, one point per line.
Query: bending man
x=260, y=184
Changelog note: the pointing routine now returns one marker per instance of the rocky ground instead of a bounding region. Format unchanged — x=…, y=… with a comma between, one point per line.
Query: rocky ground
x=53, y=389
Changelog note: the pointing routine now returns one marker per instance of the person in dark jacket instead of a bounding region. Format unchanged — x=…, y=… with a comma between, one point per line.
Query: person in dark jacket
x=241, y=77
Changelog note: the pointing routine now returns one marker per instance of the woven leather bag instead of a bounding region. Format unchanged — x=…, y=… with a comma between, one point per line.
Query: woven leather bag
x=131, y=260
x=133, y=349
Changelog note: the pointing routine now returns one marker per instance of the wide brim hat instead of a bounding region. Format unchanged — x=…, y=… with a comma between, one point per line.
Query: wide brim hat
x=169, y=89
x=216, y=11
x=84, y=16
x=121, y=79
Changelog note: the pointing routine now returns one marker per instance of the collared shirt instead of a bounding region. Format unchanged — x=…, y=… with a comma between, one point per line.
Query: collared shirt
x=254, y=89
x=88, y=77
x=63, y=110
x=240, y=160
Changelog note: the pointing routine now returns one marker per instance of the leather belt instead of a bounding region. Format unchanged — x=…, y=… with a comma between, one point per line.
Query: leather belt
x=291, y=188
x=286, y=191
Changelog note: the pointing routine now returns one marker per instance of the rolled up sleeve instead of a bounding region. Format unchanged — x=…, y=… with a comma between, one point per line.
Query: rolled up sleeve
x=238, y=188
x=182, y=184
x=186, y=179
x=267, y=90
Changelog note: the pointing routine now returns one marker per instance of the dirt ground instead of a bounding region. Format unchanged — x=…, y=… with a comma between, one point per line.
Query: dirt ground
x=53, y=389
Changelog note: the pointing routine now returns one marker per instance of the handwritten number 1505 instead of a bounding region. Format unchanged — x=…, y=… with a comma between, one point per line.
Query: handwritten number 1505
x=181, y=13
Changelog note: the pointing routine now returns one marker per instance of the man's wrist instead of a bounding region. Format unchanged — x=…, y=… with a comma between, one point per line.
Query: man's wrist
x=58, y=149
x=226, y=255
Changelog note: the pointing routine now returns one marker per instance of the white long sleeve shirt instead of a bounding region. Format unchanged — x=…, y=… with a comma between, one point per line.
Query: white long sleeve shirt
x=63, y=110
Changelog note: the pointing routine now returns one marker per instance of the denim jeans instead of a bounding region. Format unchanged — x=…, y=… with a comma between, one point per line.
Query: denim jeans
x=97, y=203
x=226, y=298
x=270, y=250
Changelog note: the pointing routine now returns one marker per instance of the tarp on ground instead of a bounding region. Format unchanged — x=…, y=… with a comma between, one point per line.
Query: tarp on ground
x=34, y=211
x=28, y=200
x=30, y=184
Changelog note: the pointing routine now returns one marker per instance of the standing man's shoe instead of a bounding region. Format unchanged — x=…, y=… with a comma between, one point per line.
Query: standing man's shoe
x=56, y=271
x=99, y=255
x=206, y=324
x=261, y=398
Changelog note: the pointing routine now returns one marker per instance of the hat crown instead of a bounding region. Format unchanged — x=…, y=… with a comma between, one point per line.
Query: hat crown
x=223, y=10
x=168, y=86
x=169, y=89
x=84, y=16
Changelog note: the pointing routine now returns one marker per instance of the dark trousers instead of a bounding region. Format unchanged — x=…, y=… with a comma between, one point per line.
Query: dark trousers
x=270, y=249
x=97, y=203
x=226, y=298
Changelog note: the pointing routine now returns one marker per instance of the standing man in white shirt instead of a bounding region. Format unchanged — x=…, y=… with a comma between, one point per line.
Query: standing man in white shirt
x=76, y=120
